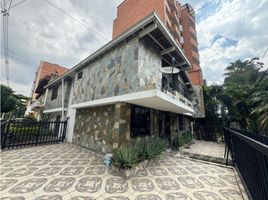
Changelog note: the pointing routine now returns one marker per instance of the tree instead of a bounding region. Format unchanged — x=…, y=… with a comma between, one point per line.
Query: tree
x=14, y=104
x=260, y=101
x=243, y=98
x=243, y=83
x=8, y=100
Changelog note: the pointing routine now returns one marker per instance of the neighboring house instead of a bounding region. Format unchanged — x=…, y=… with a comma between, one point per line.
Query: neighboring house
x=119, y=92
x=180, y=21
x=46, y=72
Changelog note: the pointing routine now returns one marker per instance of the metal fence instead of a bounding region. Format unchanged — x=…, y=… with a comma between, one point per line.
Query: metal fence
x=250, y=158
x=27, y=133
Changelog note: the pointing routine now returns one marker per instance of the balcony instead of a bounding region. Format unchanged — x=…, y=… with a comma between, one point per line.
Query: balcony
x=177, y=91
x=37, y=104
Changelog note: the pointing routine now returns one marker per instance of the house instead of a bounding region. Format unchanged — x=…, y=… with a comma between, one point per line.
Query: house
x=122, y=91
x=179, y=20
x=46, y=72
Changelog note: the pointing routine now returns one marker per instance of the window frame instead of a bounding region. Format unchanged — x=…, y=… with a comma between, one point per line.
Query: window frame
x=133, y=133
x=79, y=75
x=54, y=93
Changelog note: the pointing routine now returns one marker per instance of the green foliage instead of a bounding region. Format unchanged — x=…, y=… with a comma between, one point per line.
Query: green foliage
x=131, y=154
x=242, y=99
x=261, y=109
x=32, y=130
x=153, y=148
x=12, y=103
x=8, y=100
x=127, y=156
x=182, y=139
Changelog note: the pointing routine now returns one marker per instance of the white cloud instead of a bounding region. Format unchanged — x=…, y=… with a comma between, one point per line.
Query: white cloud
x=38, y=31
x=244, y=21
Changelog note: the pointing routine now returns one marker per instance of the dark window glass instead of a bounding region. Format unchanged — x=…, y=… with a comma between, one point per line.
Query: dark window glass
x=80, y=75
x=54, y=93
x=140, y=121
x=181, y=123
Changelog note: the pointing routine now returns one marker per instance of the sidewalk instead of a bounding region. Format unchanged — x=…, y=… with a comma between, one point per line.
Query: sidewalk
x=207, y=151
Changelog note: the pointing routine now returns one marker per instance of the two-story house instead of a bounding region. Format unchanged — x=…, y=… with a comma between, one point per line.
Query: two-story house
x=135, y=85
x=45, y=72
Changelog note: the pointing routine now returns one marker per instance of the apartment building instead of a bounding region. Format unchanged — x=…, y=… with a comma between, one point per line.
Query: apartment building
x=45, y=72
x=136, y=85
x=180, y=21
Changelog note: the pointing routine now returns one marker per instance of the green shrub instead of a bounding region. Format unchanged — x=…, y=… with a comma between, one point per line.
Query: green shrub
x=131, y=154
x=153, y=148
x=182, y=139
x=127, y=156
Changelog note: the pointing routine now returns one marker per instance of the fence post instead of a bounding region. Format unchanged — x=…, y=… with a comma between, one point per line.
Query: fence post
x=38, y=133
x=5, y=135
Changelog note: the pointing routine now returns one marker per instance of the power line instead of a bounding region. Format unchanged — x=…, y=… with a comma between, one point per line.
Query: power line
x=9, y=6
x=197, y=10
x=20, y=58
x=264, y=55
x=17, y=3
x=78, y=21
x=203, y=6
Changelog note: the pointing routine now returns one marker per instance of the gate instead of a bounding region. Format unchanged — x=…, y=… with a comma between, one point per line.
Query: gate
x=28, y=133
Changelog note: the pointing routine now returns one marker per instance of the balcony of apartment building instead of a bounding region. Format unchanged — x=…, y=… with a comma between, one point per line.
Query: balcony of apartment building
x=172, y=86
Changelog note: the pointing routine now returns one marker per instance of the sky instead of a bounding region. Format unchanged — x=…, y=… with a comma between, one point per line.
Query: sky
x=227, y=30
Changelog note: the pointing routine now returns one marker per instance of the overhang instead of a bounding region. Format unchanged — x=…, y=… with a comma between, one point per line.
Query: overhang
x=151, y=27
x=150, y=98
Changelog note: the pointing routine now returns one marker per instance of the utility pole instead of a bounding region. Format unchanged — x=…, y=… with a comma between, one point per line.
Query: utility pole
x=5, y=13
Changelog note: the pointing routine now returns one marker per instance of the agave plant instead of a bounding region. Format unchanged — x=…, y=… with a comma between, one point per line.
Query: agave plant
x=153, y=148
x=127, y=156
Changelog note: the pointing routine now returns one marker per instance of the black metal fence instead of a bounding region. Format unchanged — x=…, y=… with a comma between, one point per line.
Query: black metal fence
x=26, y=133
x=250, y=157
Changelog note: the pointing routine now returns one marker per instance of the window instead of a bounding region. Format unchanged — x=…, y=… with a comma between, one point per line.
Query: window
x=192, y=23
x=54, y=93
x=193, y=36
x=140, y=121
x=79, y=75
x=195, y=61
x=194, y=48
x=181, y=123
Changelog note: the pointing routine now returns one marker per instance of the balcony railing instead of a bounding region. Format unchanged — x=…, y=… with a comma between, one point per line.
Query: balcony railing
x=175, y=88
x=37, y=104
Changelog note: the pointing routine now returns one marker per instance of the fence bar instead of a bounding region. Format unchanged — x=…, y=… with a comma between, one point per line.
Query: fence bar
x=250, y=156
x=25, y=133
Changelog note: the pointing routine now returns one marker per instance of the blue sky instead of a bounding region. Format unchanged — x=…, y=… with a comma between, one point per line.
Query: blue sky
x=226, y=29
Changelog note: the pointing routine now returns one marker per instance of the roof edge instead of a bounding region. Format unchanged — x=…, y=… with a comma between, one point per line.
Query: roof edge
x=153, y=17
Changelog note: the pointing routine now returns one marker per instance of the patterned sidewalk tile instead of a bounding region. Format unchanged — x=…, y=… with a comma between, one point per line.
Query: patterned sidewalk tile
x=64, y=171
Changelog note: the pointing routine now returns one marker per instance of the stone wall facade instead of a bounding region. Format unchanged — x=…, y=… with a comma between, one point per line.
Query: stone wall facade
x=130, y=67
x=102, y=128
x=57, y=103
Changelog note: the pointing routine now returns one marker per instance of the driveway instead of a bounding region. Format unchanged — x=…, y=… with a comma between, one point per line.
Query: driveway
x=65, y=171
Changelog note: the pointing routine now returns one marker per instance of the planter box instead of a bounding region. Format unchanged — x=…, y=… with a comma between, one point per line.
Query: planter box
x=128, y=173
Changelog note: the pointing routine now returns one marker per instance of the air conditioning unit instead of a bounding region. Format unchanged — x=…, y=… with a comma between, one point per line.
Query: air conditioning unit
x=181, y=40
x=181, y=28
